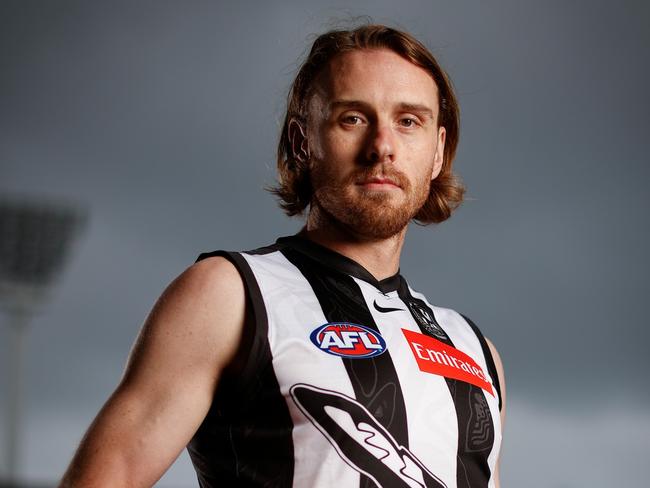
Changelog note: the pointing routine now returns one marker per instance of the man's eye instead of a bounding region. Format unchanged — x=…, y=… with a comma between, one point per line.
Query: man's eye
x=352, y=120
x=408, y=122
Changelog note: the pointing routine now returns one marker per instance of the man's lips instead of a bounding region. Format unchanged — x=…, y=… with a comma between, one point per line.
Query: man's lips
x=379, y=182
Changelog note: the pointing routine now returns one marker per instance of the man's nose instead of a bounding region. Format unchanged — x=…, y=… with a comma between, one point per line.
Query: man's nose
x=381, y=144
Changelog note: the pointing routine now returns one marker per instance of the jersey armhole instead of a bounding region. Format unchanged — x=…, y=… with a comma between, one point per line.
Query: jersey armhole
x=492, y=369
x=247, y=360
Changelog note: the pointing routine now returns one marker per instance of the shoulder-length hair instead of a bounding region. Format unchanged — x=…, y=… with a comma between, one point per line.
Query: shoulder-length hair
x=294, y=188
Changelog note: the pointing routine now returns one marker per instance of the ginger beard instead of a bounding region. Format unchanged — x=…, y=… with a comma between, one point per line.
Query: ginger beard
x=370, y=214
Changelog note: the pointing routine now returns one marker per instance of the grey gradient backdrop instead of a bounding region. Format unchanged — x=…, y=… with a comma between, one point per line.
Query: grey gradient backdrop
x=161, y=118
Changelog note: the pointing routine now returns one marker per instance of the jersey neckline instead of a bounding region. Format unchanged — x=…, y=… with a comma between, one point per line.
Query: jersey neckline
x=339, y=262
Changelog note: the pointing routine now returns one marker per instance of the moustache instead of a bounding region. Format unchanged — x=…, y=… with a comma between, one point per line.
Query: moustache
x=363, y=175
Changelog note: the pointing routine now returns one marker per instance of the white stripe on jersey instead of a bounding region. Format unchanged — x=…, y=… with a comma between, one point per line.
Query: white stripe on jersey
x=293, y=312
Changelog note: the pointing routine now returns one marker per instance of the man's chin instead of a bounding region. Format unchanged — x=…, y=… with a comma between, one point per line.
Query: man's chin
x=373, y=216
x=381, y=196
x=376, y=222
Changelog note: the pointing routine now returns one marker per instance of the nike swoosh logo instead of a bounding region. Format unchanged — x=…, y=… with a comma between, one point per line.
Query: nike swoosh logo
x=385, y=309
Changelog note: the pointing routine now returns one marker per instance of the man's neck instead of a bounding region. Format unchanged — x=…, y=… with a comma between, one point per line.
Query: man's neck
x=379, y=256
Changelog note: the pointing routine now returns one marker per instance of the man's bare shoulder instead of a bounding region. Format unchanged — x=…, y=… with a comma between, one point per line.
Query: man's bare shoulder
x=209, y=289
x=198, y=319
x=209, y=278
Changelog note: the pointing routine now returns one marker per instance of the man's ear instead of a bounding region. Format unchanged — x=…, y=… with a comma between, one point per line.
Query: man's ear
x=298, y=140
x=438, y=156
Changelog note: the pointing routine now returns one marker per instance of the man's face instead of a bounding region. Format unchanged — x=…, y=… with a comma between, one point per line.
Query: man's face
x=374, y=141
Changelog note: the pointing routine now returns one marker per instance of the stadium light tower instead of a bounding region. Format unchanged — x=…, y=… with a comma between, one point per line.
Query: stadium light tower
x=35, y=240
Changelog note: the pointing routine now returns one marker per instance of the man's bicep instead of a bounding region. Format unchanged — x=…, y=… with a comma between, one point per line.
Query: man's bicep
x=191, y=334
x=192, y=331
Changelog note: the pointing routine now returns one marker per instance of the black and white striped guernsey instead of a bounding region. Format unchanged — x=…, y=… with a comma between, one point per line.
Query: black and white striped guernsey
x=345, y=381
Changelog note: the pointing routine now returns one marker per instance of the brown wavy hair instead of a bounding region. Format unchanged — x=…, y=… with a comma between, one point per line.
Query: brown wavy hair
x=294, y=187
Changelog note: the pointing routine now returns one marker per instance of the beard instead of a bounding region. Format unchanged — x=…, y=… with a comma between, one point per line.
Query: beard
x=370, y=214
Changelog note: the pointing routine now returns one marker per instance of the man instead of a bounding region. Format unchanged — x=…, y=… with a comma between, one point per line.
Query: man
x=312, y=363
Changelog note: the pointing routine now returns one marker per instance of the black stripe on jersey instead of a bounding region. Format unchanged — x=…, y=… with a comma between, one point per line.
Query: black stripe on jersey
x=475, y=426
x=232, y=447
x=489, y=360
x=374, y=380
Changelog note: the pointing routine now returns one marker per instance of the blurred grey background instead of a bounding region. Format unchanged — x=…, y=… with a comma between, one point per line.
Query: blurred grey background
x=160, y=120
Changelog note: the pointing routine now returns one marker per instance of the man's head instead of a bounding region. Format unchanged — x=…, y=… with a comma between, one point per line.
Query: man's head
x=370, y=108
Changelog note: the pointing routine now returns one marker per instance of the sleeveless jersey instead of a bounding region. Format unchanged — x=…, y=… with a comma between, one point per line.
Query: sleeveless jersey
x=346, y=381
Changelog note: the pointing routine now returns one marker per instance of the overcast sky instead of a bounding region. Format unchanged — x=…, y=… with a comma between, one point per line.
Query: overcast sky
x=160, y=119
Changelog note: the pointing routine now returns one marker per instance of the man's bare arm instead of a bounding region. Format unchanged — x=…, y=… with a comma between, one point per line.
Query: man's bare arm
x=191, y=334
x=502, y=383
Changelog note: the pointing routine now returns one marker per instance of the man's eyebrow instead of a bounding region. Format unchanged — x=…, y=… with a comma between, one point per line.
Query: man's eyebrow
x=346, y=104
x=416, y=108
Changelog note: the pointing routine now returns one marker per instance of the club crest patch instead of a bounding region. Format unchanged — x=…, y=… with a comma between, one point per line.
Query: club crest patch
x=348, y=340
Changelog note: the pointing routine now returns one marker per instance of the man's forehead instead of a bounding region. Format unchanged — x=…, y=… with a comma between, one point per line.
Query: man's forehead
x=376, y=74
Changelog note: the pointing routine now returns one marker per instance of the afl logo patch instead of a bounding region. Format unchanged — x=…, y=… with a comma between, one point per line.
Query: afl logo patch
x=348, y=340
